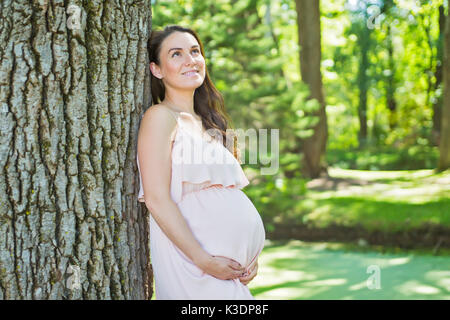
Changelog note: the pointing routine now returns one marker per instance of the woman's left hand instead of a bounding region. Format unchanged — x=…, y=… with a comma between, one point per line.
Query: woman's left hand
x=252, y=273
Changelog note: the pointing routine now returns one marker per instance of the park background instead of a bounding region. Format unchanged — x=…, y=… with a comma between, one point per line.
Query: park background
x=374, y=187
x=360, y=205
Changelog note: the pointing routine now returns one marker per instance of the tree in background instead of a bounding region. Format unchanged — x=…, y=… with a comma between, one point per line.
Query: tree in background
x=437, y=87
x=365, y=44
x=313, y=147
x=444, y=147
x=389, y=72
x=401, y=67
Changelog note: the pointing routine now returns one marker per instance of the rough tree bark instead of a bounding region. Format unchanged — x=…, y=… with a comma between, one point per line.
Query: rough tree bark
x=72, y=77
x=314, y=147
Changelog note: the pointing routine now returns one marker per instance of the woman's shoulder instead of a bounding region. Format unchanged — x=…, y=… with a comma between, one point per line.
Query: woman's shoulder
x=157, y=110
x=158, y=114
x=158, y=119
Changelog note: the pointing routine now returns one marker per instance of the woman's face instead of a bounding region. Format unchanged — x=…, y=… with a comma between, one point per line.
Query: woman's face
x=179, y=54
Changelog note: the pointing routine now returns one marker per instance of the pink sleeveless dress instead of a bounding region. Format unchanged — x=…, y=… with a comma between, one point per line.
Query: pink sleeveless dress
x=206, y=185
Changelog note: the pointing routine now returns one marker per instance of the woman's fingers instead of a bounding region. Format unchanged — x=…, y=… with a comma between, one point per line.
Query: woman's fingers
x=233, y=263
x=247, y=278
x=238, y=271
x=236, y=266
x=253, y=264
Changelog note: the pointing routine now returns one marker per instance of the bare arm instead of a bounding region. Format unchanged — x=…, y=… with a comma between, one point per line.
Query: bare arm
x=154, y=152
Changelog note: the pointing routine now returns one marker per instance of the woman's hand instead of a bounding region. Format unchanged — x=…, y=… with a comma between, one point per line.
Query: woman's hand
x=252, y=273
x=223, y=268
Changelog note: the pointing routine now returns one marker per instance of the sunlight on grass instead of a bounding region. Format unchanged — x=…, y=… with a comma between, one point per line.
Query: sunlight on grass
x=442, y=278
x=378, y=200
x=387, y=192
x=399, y=261
x=374, y=175
x=301, y=270
x=358, y=286
x=287, y=293
x=417, y=186
x=326, y=282
x=414, y=287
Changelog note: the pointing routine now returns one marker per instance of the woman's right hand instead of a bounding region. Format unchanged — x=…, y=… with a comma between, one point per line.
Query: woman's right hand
x=223, y=268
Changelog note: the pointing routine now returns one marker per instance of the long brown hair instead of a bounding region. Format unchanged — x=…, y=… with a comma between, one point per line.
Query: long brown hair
x=208, y=101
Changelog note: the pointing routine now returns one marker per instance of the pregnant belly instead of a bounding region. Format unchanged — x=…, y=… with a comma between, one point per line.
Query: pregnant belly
x=225, y=222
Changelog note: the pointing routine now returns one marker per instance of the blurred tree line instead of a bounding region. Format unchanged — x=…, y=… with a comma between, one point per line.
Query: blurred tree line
x=381, y=68
x=387, y=70
x=353, y=83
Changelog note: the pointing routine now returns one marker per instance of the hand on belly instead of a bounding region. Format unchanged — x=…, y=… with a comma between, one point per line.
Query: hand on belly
x=248, y=276
x=223, y=268
x=226, y=224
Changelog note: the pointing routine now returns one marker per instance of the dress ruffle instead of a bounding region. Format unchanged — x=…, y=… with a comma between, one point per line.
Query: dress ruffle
x=198, y=162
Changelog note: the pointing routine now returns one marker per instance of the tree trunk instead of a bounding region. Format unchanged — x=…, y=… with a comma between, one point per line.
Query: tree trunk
x=437, y=103
x=363, y=83
x=390, y=82
x=444, y=146
x=271, y=34
x=308, y=19
x=72, y=92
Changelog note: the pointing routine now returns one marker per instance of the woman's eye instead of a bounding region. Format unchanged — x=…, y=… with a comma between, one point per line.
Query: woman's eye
x=196, y=50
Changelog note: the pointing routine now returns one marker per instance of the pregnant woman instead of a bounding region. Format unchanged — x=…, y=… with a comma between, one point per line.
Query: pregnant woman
x=205, y=233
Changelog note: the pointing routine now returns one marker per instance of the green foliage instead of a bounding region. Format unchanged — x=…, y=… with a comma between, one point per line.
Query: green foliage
x=386, y=158
x=388, y=201
x=277, y=199
x=414, y=33
x=252, y=55
x=249, y=60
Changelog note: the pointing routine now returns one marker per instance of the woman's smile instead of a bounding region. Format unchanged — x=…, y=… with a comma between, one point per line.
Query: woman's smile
x=191, y=74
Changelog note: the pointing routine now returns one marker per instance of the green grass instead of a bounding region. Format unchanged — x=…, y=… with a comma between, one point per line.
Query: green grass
x=379, y=200
x=297, y=270
x=382, y=200
x=385, y=158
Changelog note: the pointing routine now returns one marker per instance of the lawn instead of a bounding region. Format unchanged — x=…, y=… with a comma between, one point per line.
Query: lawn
x=378, y=200
x=298, y=270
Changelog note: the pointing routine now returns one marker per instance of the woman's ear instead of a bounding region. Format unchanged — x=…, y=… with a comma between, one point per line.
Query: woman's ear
x=155, y=70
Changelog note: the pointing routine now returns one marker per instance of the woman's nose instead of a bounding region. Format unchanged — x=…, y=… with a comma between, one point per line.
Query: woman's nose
x=190, y=59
